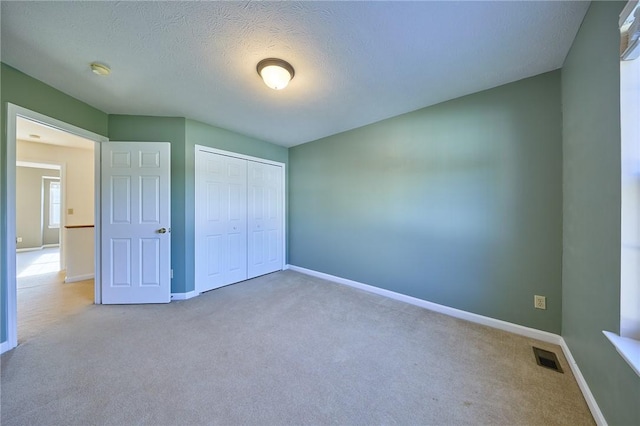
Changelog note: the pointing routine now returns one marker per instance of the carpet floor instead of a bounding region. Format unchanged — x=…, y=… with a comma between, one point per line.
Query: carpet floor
x=284, y=348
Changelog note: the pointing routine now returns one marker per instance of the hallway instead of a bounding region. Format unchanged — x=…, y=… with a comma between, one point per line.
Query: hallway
x=43, y=297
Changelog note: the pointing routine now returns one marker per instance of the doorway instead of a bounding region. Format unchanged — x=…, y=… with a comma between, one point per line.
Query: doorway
x=19, y=119
x=54, y=259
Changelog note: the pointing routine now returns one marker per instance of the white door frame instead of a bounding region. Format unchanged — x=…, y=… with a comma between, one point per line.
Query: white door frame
x=13, y=112
x=259, y=160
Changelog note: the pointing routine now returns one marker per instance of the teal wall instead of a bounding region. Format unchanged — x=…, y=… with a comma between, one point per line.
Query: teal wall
x=135, y=128
x=20, y=89
x=591, y=206
x=459, y=204
x=198, y=133
x=214, y=137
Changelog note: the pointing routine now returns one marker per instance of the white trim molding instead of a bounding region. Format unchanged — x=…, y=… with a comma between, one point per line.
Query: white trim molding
x=237, y=155
x=584, y=387
x=184, y=296
x=628, y=348
x=478, y=319
x=78, y=278
x=5, y=346
x=22, y=250
x=28, y=249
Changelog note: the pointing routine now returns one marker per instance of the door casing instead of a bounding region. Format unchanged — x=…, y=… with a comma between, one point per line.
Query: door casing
x=8, y=250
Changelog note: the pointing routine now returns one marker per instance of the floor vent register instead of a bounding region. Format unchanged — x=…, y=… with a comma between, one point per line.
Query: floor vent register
x=547, y=359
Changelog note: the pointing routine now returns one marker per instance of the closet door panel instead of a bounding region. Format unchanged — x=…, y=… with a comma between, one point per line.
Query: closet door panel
x=214, y=259
x=221, y=230
x=213, y=235
x=265, y=221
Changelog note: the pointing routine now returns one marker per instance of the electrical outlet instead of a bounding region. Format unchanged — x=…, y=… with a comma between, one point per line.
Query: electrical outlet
x=19, y=239
x=69, y=211
x=539, y=302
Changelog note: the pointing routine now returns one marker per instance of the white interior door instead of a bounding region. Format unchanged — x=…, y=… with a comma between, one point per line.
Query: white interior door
x=136, y=222
x=221, y=220
x=265, y=219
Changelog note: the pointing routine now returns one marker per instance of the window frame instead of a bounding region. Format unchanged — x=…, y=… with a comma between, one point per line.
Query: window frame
x=57, y=225
x=627, y=341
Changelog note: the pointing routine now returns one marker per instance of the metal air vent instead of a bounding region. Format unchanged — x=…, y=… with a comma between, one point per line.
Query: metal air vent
x=547, y=359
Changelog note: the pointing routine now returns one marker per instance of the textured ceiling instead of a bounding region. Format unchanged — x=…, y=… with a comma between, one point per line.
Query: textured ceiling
x=356, y=62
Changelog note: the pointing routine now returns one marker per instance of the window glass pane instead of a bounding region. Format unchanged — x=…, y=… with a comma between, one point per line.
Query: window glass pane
x=630, y=183
x=54, y=204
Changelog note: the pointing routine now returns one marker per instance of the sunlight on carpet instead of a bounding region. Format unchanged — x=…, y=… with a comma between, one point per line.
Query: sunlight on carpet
x=45, y=263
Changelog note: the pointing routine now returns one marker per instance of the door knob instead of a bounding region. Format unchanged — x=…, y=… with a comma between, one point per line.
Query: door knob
x=162, y=231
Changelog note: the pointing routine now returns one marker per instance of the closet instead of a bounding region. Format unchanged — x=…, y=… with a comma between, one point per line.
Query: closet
x=239, y=220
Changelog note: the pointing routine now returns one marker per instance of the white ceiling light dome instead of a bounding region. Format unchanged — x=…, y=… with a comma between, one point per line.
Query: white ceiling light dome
x=100, y=69
x=275, y=73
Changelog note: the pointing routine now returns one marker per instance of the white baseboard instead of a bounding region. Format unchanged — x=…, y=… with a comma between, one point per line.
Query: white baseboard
x=77, y=278
x=23, y=250
x=584, y=387
x=184, y=296
x=4, y=346
x=478, y=319
x=452, y=312
x=20, y=250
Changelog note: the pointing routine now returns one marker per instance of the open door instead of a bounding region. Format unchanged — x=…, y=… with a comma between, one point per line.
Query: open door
x=136, y=222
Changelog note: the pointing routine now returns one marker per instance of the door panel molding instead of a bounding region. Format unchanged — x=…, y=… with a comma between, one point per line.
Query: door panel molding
x=136, y=179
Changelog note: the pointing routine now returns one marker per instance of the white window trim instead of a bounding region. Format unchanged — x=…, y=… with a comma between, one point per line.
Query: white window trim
x=626, y=342
x=57, y=225
x=628, y=348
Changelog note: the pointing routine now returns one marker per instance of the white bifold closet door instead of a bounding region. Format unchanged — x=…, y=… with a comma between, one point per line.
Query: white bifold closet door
x=239, y=219
x=265, y=218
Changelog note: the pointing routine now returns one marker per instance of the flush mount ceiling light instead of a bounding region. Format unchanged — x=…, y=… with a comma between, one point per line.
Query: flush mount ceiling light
x=276, y=73
x=100, y=69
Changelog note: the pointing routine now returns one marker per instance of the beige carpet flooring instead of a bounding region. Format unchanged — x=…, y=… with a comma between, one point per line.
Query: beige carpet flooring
x=282, y=349
x=43, y=298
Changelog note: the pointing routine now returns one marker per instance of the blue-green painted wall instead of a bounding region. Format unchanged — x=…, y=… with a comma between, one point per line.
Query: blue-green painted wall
x=198, y=133
x=591, y=205
x=20, y=89
x=459, y=204
x=163, y=129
